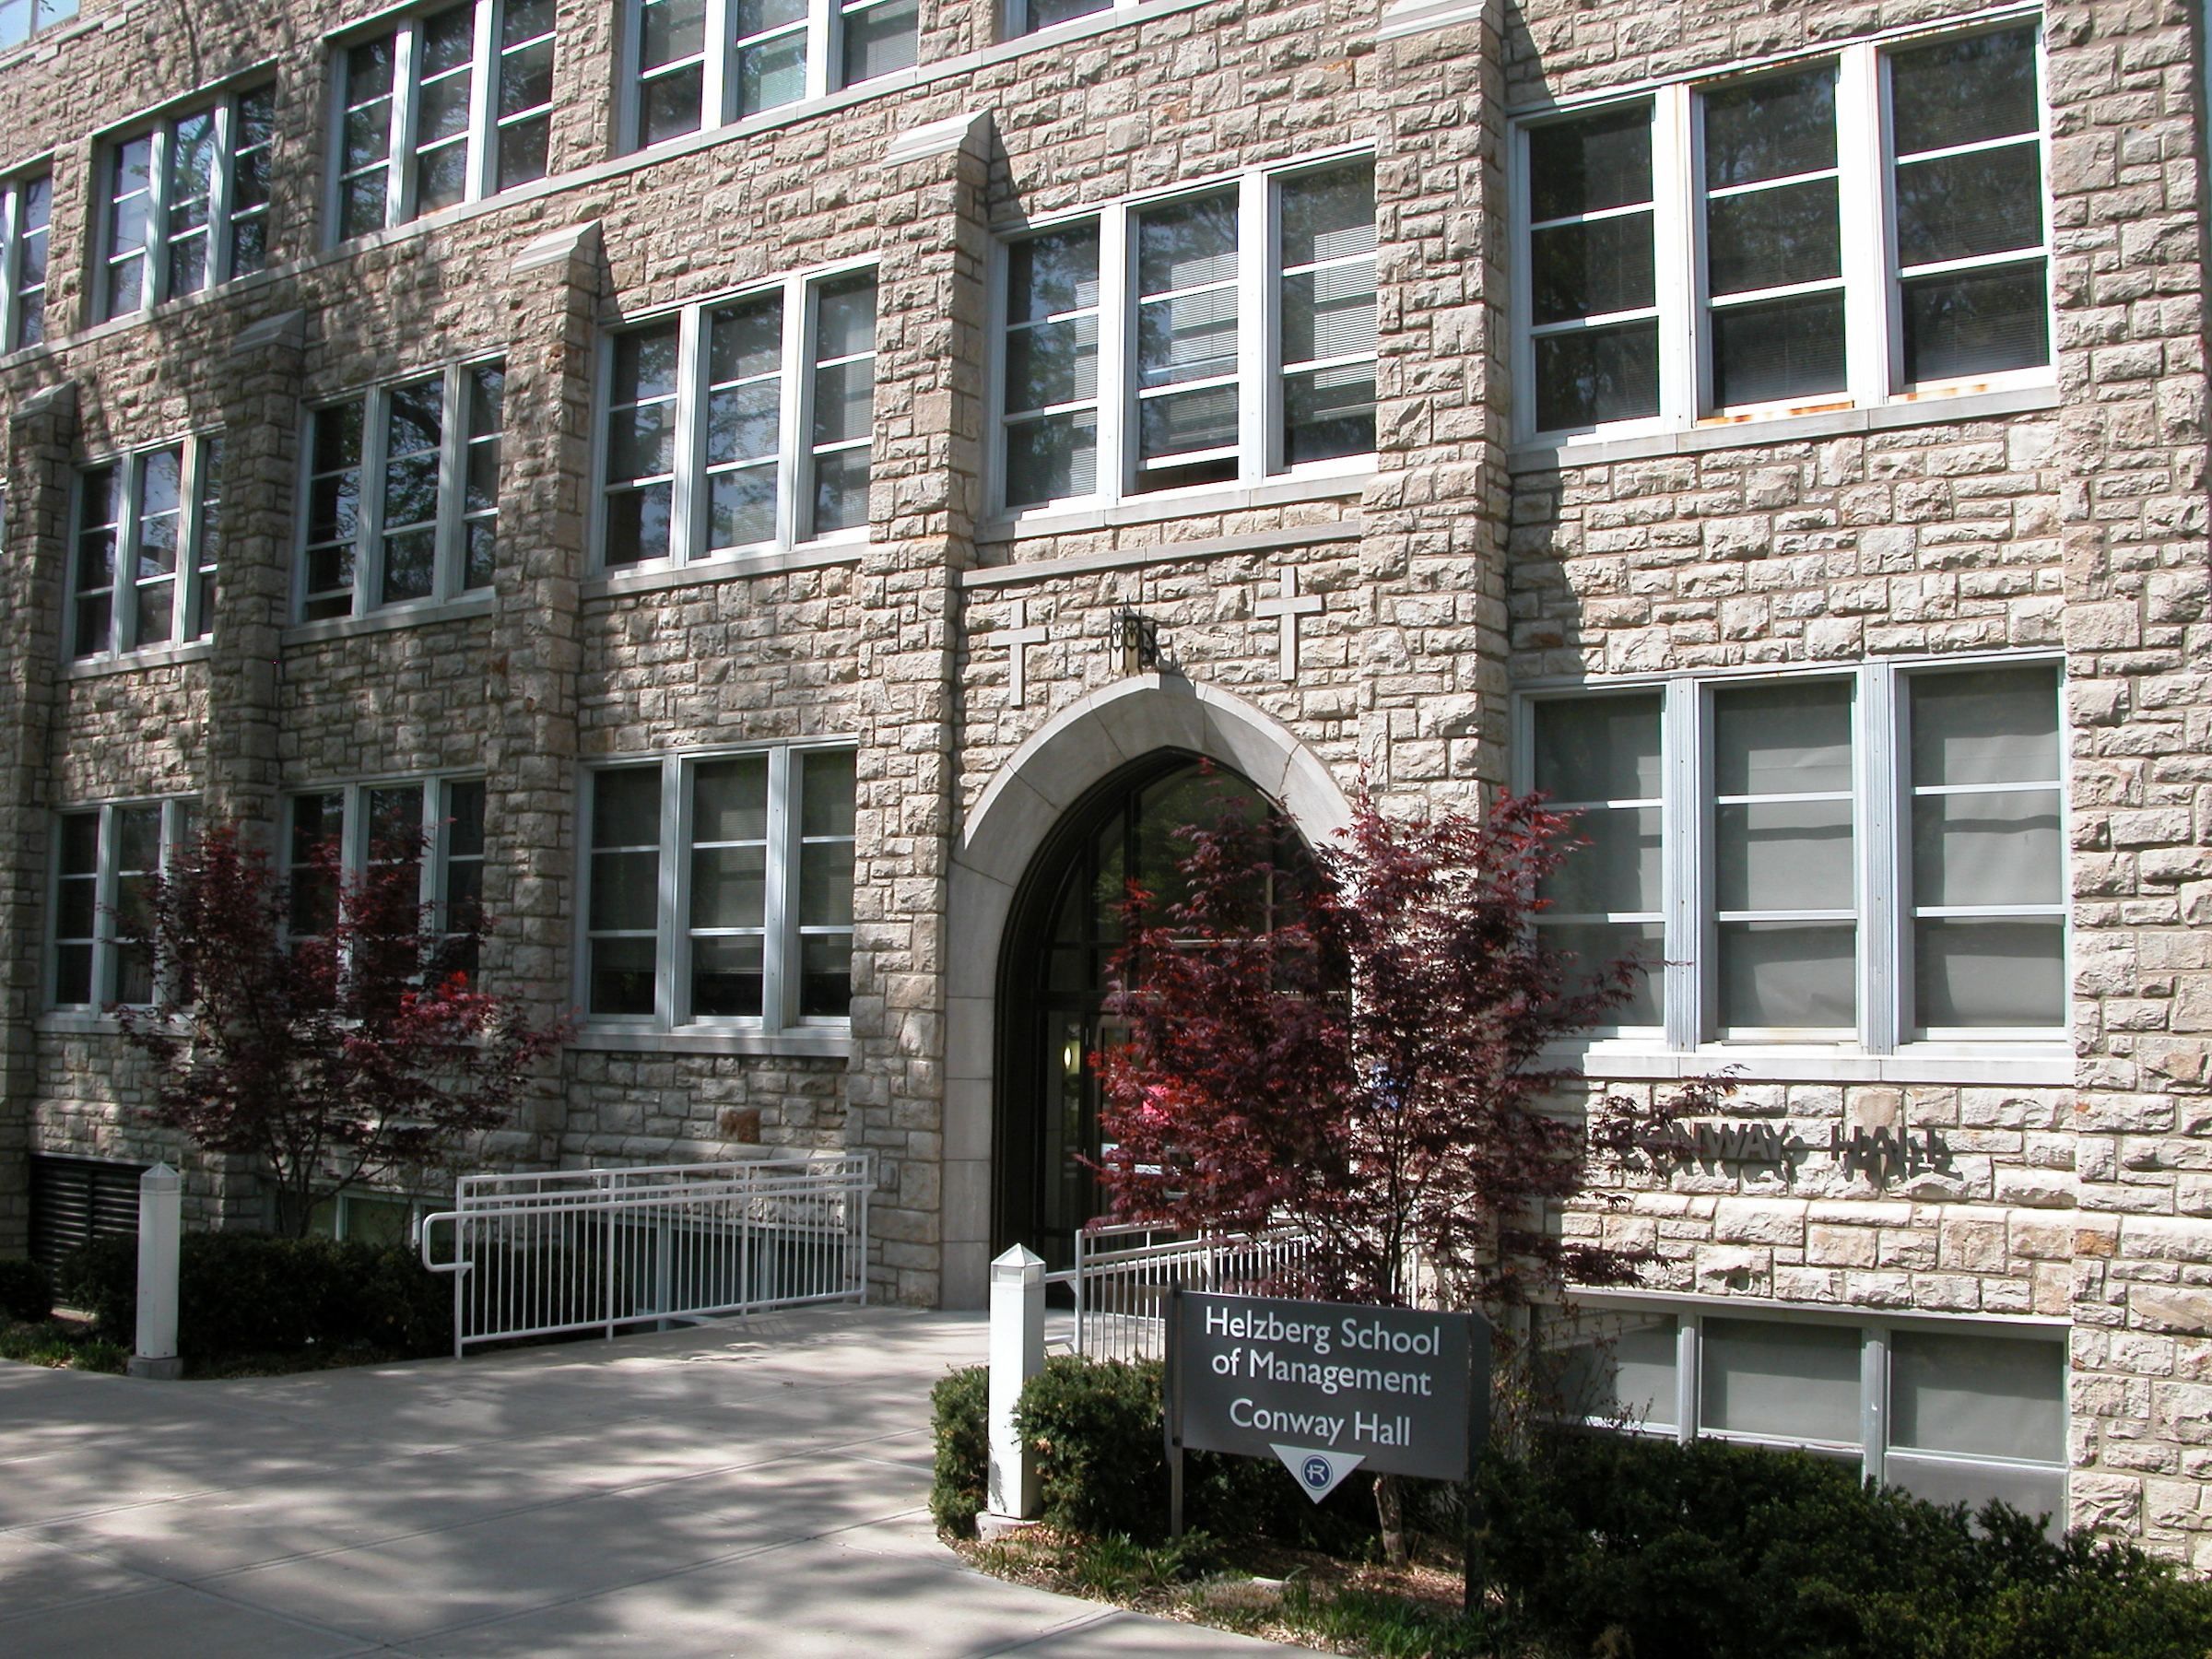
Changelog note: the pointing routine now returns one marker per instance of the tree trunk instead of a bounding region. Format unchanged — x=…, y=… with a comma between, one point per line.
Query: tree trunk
x=1390, y=1510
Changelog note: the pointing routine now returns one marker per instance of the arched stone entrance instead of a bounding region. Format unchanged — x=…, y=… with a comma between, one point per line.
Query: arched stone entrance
x=1107, y=738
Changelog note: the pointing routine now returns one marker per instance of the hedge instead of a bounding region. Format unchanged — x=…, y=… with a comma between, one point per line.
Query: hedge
x=25, y=1293
x=1619, y=1545
x=251, y=1293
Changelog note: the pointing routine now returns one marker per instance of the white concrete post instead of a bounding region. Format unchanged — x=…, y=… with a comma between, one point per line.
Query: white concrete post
x=1017, y=1355
x=160, y=1227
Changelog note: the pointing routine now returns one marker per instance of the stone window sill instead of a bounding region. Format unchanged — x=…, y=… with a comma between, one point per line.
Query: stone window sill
x=2006, y=1065
x=130, y=662
x=661, y=576
x=828, y=1042
x=1792, y=429
x=389, y=618
x=999, y=533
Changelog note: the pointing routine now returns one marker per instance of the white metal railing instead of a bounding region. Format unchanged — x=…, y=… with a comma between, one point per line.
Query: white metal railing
x=1121, y=1288
x=575, y=1250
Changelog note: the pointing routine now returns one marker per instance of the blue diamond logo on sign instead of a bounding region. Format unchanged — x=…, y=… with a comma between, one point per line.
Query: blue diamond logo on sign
x=1318, y=1473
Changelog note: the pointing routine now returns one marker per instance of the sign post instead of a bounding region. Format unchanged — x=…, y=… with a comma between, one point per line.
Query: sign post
x=1326, y=1388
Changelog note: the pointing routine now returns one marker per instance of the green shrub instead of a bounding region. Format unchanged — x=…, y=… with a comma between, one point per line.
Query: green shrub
x=251, y=1293
x=959, y=1406
x=25, y=1292
x=1103, y=1467
x=1709, y=1551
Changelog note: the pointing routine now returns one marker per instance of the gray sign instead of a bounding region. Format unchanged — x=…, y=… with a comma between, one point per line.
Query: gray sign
x=1325, y=1386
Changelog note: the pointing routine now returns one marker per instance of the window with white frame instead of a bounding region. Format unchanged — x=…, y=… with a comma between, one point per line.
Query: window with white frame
x=704, y=63
x=449, y=106
x=26, y=207
x=19, y=19
x=1954, y=1411
x=102, y=857
x=144, y=560
x=402, y=493
x=435, y=824
x=187, y=202
x=1027, y=17
x=1218, y=337
x=718, y=889
x=741, y=425
x=1867, y=857
x=1685, y=255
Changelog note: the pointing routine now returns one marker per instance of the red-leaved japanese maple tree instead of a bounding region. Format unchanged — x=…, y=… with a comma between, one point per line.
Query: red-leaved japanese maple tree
x=1357, y=1046
x=330, y=1031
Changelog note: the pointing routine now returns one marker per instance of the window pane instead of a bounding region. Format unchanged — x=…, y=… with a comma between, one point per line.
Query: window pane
x=1991, y=725
x=1963, y=91
x=2031, y=1492
x=1777, y=349
x=1783, y=739
x=742, y=342
x=844, y=402
x=881, y=38
x=1052, y=363
x=1043, y=14
x=1987, y=1397
x=625, y=891
x=1329, y=313
x=1328, y=216
x=1590, y=268
x=825, y=976
x=772, y=73
x=670, y=29
x=525, y=77
x=741, y=507
x=1770, y=129
x=1961, y=206
x=1051, y=274
x=1984, y=323
x=626, y=807
x=1588, y=165
x=1997, y=847
x=669, y=105
x=1790, y=1381
x=844, y=318
x=1773, y=855
x=1617, y=872
x=1619, y=1366
x=622, y=976
x=1598, y=749
x=2000, y=973
x=729, y=885
x=1187, y=423
x=1328, y=413
x=1788, y=975
x=727, y=976
x=1595, y=946
x=1052, y=457
x=729, y=800
x=1767, y=239
x=826, y=793
x=1188, y=244
x=841, y=491
x=1596, y=375
x=637, y=524
x=744, y=423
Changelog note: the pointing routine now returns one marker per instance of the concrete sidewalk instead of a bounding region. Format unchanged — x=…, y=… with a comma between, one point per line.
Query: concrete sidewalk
x=754, y=1489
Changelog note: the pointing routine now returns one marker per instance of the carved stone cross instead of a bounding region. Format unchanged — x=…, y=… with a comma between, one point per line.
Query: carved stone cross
x=1289, y=607
x=1018, y=640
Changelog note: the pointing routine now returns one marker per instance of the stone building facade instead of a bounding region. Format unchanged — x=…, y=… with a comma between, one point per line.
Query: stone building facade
x=915, y=432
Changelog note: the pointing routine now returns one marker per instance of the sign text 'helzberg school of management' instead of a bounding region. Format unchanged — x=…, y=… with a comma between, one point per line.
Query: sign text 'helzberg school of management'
x=1326, y=1387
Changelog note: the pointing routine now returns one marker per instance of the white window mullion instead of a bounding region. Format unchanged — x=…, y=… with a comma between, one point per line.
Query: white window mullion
x=399, y=181
x=1683, y=864
x=103, y=918
x=1259, y=350
x=483, y=102
x=686, y=491
x=369, y=534
x=451, y=537
x=1678, y=287
x=1688, y=1365
x=1862, y=198
x=353, y=831
x=1874, y=1402
x=1880, y=859
x=222, y=180
x=184, y=596
x=778, y=946
x=1117, y=353
x=669, y=1004
x=718, y=98
x=123, y=564
x=795, y=429
x=153, y=257
x=824, y=49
